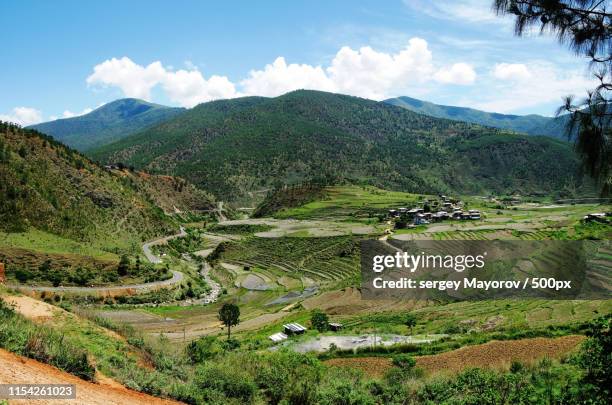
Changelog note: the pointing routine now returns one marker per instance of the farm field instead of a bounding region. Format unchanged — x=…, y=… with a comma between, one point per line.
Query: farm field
x=345, y=201
x=279, y=270
x=496, y=355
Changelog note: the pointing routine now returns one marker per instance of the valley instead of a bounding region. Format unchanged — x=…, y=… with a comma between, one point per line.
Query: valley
x=130, y=266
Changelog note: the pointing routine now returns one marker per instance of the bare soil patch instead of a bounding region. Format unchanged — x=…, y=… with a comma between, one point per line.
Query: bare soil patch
x=20, y=370
x=495, y=355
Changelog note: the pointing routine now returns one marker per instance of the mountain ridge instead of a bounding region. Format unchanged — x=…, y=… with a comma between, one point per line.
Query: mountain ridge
x=107, y=123
x=532, y=124
x=233, y=148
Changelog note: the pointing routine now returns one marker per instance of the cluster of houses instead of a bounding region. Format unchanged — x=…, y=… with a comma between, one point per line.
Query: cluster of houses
x=292, y=329
x=444, y=209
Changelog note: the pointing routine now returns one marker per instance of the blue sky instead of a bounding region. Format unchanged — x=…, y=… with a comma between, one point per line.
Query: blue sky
x=63, y=58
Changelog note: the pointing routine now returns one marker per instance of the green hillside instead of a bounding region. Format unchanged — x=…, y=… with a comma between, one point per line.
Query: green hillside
x=48, y=187
x=108, y=123
x=531, y=124
x=235, y=147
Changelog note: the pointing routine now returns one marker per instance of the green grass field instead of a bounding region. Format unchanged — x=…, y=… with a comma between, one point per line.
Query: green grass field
x=46, y=242
x=343, y=201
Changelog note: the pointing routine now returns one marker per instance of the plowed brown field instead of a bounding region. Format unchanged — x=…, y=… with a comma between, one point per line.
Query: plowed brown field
x=495, y=354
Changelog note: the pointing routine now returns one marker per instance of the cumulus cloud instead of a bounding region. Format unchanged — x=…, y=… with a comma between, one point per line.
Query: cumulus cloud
x=459, y=73
x=185, y=87
x=511, y=71
x=133, y=79
x=23, y=116
x=280, y=77
x=371, y=74
x=364, y=72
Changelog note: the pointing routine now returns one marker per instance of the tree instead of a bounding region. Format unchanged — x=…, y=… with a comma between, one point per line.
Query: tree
x=124, y=266
x=596, y=359
x=585, y=26
x=410, y=321
x=229, y=314
x=319, y=320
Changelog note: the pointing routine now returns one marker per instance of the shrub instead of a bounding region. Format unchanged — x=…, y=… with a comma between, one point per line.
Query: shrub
x=319, y=320
x=403, y=361
x=203, y=349
x=217, y=378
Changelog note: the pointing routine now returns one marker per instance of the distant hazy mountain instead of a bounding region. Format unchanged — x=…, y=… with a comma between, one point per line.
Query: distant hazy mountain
x=530, y=124
x=109, y=123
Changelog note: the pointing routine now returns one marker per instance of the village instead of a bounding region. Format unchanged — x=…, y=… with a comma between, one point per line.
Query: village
x=432, y=211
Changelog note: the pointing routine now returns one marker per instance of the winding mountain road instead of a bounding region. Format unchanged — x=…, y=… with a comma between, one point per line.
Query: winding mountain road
x=176, y=278
x=146, y=248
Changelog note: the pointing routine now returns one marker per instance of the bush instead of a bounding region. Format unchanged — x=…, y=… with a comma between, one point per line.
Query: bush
x=215, y=378
x=203, y=349
x=403, y=361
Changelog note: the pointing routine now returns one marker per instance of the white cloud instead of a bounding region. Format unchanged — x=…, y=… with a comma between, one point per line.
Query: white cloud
x=134, y=80
x=189, y=87
x=545, y=84
x=364, y=72
x=70, y=114
x=459, y=73
x=371, y=74
x=23, y=116
x=511, y=71
x=185, y=87
x=278, y=78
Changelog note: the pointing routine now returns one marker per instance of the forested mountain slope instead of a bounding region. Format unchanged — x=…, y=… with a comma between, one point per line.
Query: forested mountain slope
x=47, y=186
x=107, y=123
x=234, y=147
x=532, y=124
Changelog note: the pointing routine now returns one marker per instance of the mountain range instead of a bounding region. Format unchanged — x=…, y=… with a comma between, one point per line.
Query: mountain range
x=531, y=124
x=234, y=148
x=107, y=123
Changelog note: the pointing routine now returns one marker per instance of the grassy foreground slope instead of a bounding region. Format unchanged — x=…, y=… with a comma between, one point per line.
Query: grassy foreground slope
x=107, y=123
x=236, y=147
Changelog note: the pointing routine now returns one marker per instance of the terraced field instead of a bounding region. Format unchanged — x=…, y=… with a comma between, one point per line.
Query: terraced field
x=323, y=259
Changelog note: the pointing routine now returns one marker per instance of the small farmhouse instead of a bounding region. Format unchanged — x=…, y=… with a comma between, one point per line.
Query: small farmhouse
x=335, y=326
x=278, y=337
x=294, y=329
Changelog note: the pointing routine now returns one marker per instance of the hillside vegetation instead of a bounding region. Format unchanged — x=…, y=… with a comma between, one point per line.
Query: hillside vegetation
x=107, y=123
x=532, y=124
x=48, y=187
x=235, y=147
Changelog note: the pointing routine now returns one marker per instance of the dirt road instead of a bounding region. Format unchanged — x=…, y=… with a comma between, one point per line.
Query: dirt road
x=146, y=248
x=16, y=369
x=177, y=277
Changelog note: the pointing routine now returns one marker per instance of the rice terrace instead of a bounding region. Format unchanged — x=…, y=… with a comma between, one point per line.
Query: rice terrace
x=270, y=216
